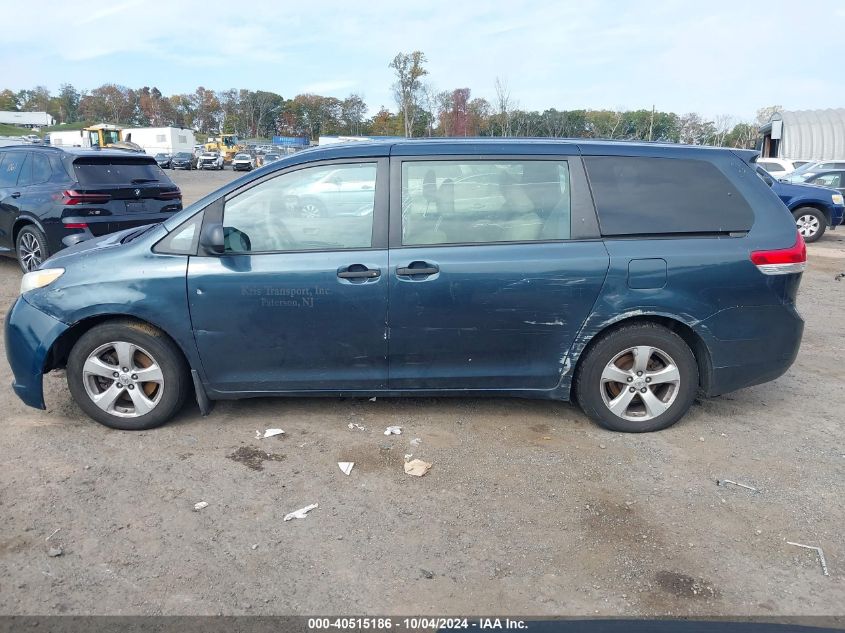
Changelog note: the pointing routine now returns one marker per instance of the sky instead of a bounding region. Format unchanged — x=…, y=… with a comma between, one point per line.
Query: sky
x=716, y=57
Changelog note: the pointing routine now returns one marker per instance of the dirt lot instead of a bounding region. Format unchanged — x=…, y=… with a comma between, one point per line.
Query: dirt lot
x=529, y=508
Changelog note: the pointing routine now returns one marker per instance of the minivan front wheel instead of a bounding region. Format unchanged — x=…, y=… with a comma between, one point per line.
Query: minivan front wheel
x=811, y=223
x=637, y=378
x=127, y=375
x=31, y=248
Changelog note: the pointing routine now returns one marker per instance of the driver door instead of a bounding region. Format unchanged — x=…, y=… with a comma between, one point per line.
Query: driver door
x=297, y=302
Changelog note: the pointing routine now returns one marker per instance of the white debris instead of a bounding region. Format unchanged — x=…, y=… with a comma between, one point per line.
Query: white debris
x=199, y=506
x=268, y=433
x=301, y=513
x=354, y=425
x=416, y=442
x=408, y=456
x=55, y=551
x=53, y=534
x=373, y=399
x=345, y=467
x=818, y=551
x=393, y=430
x=725, y=482
x=417, y=467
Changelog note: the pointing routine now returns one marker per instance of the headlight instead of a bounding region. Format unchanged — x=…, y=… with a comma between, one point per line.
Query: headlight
x=837, y=199
x=40, y=278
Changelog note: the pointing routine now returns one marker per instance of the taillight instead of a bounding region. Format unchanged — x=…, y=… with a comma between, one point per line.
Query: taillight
x=71, y=198
x=75, y=225
x=170, y=195
x=784, y=261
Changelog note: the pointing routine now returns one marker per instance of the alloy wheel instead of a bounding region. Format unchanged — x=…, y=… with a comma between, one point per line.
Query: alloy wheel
x=808, y=225
x=310, y=210
x=640, y=383
x=123, y=379
x=29, y=252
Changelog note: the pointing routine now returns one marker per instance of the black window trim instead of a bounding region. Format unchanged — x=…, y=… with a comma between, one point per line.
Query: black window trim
x=583, y=220
x=214, y=210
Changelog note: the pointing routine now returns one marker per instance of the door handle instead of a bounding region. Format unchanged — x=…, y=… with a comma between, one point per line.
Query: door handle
x=359, y=274
x=425, y=269
x=17, y=194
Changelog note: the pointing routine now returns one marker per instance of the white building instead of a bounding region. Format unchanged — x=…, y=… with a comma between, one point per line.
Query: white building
x=26, y=119
x=804, y=135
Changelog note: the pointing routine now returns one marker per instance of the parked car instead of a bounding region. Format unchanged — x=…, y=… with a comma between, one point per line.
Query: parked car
x=813, y=167
x=165, y=161
x=777, y=167
x=52, y=198
x=210, y=160
x=336, y=192
x=183, y=160
x=671, y=272
x=243, y=162
x=814, y=208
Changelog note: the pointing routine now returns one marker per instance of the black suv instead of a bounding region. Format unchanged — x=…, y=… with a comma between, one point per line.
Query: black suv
x=51, y=198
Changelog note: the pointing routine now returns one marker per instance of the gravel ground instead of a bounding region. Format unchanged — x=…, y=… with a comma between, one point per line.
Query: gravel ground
x=529, y=508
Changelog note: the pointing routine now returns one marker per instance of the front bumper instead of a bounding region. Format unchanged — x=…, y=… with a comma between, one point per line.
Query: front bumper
x=30, y=335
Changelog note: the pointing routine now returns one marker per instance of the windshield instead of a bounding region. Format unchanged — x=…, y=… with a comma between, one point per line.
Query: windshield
x=803, y=169
x=242, y=157
x=182, y=155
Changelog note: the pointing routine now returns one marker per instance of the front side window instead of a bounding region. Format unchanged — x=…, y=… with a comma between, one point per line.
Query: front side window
x=772, y=168
x=463, y=202
x=826, y=180
x=328, y=207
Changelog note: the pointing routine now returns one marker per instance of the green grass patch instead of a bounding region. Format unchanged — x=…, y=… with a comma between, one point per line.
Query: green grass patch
x=13, y=130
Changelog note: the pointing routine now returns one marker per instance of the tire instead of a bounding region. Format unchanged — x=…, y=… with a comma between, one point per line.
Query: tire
x=669, y=399
x=138, y=404
x=811, y=223
x=31, y=248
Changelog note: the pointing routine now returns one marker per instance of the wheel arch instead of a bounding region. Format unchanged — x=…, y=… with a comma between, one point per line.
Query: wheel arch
x=818, y=206
x=20, y=223
x=673, y=324
x=60, y=349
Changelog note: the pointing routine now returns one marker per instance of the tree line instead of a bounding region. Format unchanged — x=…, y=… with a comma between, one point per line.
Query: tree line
x=421, y=110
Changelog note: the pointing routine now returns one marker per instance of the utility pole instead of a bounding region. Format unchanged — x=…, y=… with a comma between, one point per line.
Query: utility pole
x=651, y=124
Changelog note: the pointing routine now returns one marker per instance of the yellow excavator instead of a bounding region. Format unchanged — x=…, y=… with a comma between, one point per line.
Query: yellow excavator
x=107, y=135
x=226, y=144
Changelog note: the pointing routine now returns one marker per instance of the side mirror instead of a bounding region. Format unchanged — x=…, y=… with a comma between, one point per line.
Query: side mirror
x=213, y=239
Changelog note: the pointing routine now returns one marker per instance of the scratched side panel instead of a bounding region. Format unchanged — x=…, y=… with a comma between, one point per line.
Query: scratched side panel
x=497, y=316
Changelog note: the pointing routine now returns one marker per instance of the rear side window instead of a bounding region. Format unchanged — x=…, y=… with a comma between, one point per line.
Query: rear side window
x=466, y=202
x=652, y=196
x=117, y=171
x=41, y=170
x=772, y=167
x=10, y=166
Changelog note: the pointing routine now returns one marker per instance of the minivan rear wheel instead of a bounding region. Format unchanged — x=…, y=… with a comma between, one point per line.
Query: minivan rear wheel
x=127, y=375
x=811, y=223
x=637, y=378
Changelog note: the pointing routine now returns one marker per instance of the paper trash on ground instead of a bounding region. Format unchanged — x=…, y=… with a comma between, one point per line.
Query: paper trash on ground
x=268, y=433
x=199, y=506
x=417, y=467
x=393, y=430
x=301, y=513
x=346, y=467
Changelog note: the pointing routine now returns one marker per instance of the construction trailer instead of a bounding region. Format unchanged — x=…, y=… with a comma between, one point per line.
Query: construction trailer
x=161, y=140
